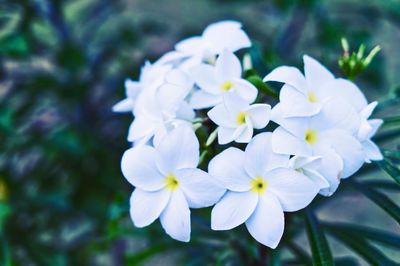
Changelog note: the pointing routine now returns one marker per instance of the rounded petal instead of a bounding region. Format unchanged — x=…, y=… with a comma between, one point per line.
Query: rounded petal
x=375, y=124
x=227, y=66
x=226, y=35
x=233, y=209
x=246, y=133
x=316, y=74
x=259, y=115
x=367, y=111
x=348, y=148
x=202, y=100
x=260, y=158
x=141, y=126
x=228, y=168
x=200, y=189
x=331, y=169
x=234, y=103
x=178, y=149
x=288, y=75
x=175, y=219
x=220, y=115
x=267, y=222
x=294, y=103
x=146, y=207
x=346, y=90
x=226, y=134
x=316, y=177
x=139, y=167
x=192, y=45
x=204, y=76
x=284, y=142
x=294, y=190
x=245, y=89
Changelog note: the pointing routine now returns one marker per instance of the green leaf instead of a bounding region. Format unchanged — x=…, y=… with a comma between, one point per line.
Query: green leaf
x=382, y=184
x=379, y=199
x=362, y=247
x=392, y=154
x=301, y=256
x=321, y=254
x=261, y=86
x=391, y=121
x=389, y=168
x=373, y=234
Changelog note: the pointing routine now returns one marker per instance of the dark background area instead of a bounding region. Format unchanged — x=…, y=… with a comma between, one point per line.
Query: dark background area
x=63, y=64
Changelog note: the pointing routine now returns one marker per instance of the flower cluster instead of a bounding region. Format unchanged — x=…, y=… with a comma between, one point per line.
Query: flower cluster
x=322, y=134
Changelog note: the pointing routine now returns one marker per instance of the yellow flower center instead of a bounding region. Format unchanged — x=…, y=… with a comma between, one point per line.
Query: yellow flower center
x=171, y=182
x=310, y=136
x=226, y=86
x=311, y=97
x=258, y=185
x=241, y=118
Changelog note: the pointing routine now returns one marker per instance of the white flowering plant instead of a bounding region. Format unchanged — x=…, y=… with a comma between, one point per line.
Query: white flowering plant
x=209, y=132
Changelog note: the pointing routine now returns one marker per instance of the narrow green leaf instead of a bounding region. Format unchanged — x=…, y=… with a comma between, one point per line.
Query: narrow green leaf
x=321, y=254
x=362, y=247
x=383, y=184
x=379, y=199
x=301, y=256
x=391, y=121
x=373, y=234
x=389, y=168
x=261, y=86
x=392, y=154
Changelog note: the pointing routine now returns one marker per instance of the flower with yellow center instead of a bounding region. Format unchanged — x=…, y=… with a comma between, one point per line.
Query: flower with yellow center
x=310, y=136
x=236, y=119
x=226, y=86
x=311, y=97
x=258, y=185
x=259, y=189
x=167, y=182
x=171, y=182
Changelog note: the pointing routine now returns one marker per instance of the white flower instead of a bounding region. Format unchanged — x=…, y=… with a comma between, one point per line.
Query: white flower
x=260, y=189
x=217, y=37
x=305, y=95
x=161, y=109
x=236, y=118
x=168, y=182
x=330, y=134
x=367, y=130
x=309, y=166
x=151, y=76
x=215, y=81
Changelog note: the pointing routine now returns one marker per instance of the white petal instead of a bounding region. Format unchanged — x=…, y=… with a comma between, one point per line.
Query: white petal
x=226, y=35
x=375, y=124
x=284, y=142
x=185, y=112
x=234, y=104
x=316, y=74
x=259, y=115
x=316, y=177
x=346, y=90
x=246, y=133
x=179, y=149
x=221, y=116
x=298, y=162
x=336, y=113
x=204, y=76
x=139, y=168
x=233, y=209
x=295, y=125
x=331, y=168
x=367, y=111
x=372, y=151
x=123, y=106
x=201, y=100
x=348, y=148
x=141, y=126
x=175, y=219
x=226, y=135
x=200, y=189
x=267, y=222
x=146, y=207
x=191, y=45
x=260, y=158
x=245, y=89
x=228, y=168
x=294, y=103
x=294, y=190
x=227, y=66
x=288, y=75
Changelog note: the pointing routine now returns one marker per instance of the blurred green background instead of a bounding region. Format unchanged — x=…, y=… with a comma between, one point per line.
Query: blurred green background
x=63, y=199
